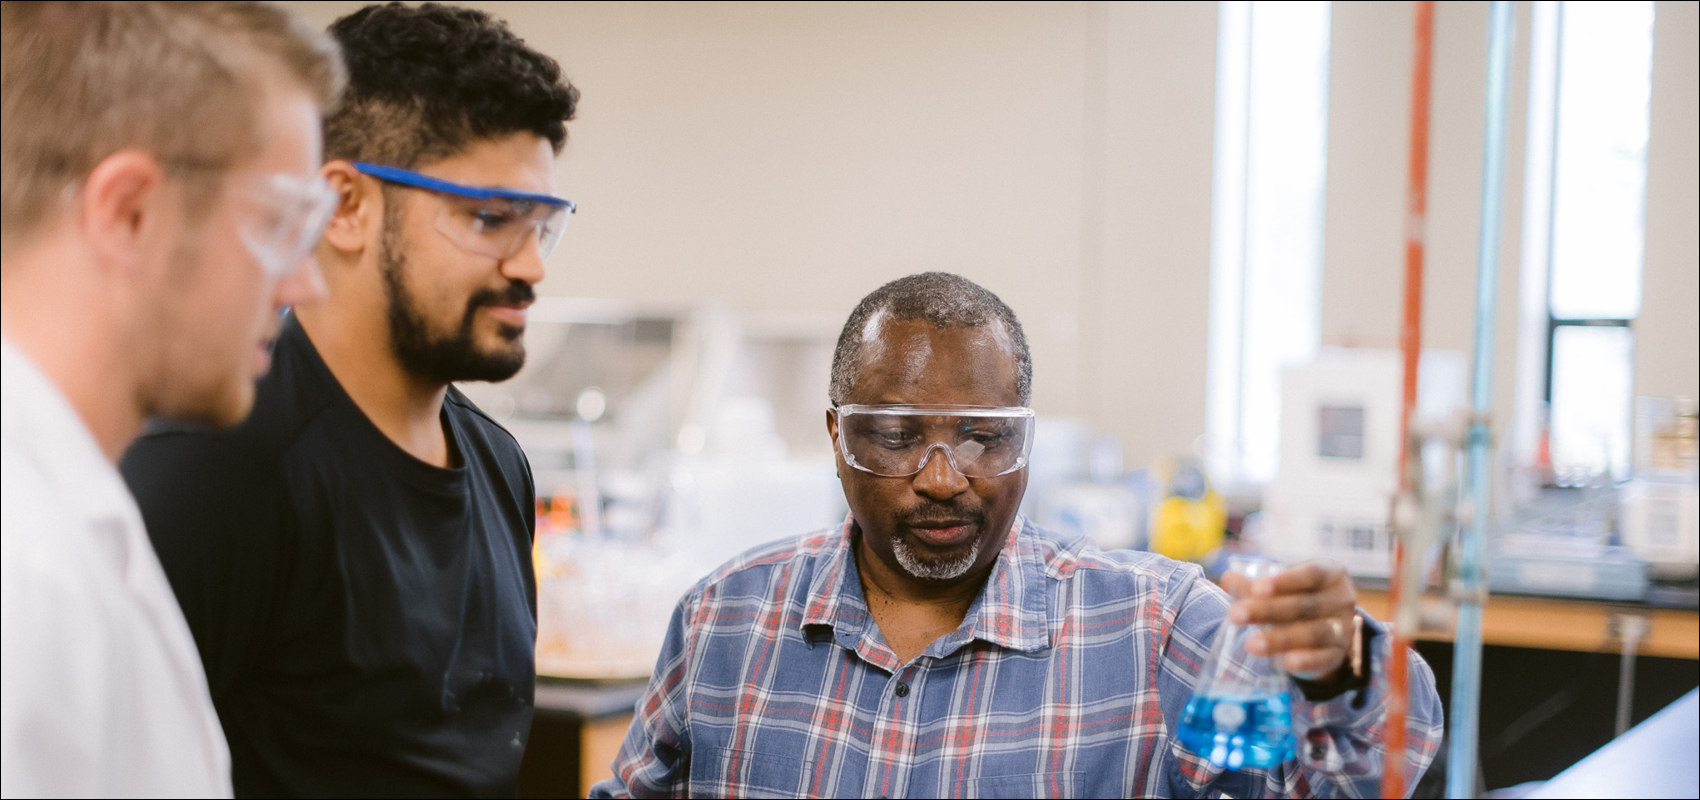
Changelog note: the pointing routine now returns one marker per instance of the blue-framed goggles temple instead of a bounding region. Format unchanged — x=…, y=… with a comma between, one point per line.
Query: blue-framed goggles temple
x=487, y=220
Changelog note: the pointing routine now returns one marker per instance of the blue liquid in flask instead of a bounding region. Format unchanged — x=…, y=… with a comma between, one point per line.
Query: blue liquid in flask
x=1237, y=732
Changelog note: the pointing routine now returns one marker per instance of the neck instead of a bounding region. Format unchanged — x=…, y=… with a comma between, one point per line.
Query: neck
x=356, y=348
x=882, y=583
x=80, y=344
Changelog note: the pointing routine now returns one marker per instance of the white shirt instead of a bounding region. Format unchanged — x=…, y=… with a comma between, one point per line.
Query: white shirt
x=101, y=688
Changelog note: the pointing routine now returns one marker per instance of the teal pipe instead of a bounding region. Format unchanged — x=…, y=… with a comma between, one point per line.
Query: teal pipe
x=1467, y=648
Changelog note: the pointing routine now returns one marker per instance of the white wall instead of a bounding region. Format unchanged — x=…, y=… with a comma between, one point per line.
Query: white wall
x=1368, y=160
x=1669, y=326
x=793, y=157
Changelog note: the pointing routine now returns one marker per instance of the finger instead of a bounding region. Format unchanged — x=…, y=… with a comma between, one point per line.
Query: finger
x=1327, y=633
x=1310, y=576
x=1314, y=663
x=1235, y=584
x=1293, y=607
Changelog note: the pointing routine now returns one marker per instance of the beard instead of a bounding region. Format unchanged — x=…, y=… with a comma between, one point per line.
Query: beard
x=456, y=356
x=946, y=568
x=927, y=563
x=198, y=378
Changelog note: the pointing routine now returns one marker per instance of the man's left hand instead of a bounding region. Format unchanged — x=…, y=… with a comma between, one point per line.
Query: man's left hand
x=1307, y=610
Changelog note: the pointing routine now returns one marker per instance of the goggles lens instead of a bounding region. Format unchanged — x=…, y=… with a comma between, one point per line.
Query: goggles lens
x=286, y=217
x=498, y=227
x=895, y=441
x=486, y=220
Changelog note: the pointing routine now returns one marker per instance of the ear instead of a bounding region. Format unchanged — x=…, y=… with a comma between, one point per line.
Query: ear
x=832, y=436
x=128, y=211
x=359, y=217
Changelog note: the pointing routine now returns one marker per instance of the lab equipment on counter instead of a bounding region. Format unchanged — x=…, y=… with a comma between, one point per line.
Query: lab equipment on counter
x=1110, y=513
x=603, y=601
x=1560, y=543
x=1107, y=506
x=1191, y=519
x=1339, y=452
x=1660, y=514
x=662, y=443
x=1613, y=573
x=1240, y=714
x=603, y=604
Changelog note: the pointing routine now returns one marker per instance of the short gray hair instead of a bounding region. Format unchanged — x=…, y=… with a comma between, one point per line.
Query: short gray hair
x=945, y=300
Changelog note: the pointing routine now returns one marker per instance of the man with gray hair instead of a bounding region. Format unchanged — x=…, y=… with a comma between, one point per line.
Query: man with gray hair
x=938, y=645
x=161, y=199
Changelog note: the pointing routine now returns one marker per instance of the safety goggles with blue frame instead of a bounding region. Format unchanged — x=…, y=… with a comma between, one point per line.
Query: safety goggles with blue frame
x=486, y=220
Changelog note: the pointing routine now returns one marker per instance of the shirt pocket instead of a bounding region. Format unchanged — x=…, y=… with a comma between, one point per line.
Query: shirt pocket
x=724, y=772
x=1039, y=784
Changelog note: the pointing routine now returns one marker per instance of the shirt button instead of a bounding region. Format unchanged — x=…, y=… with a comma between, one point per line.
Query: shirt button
x=902, y=689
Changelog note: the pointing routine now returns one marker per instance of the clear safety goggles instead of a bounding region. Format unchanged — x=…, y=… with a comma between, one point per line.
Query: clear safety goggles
x=486, y=220
x=284, y=218
x=895, y=441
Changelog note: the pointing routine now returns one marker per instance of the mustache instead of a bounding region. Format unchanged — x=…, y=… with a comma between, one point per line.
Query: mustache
x=515, y=293
x=935, y=514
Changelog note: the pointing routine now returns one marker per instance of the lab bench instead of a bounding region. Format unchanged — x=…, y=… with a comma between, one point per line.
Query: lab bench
x=1551, y=623
x=1552, y=669
x=576, y=731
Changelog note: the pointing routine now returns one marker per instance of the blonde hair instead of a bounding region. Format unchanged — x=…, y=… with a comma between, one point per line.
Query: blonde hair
x=81, y=81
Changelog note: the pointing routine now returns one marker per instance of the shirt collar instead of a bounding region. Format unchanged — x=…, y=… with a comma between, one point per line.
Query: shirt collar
x=41, y=423
x=1012, y=610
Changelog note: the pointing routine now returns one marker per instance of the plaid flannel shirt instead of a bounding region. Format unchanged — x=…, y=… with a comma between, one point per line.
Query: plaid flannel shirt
x=1067, y=678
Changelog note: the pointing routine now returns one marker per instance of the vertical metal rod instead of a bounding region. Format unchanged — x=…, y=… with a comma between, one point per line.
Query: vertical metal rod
x=1467, y=648
x=1410, y=344
x=1630, y=629
x=1625, y=684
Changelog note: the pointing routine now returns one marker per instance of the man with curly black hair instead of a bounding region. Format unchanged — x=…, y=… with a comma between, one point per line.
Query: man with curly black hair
x=354, y=561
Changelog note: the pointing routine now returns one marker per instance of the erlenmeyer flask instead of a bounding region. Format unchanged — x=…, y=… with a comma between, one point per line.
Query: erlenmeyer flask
x=1240, y=715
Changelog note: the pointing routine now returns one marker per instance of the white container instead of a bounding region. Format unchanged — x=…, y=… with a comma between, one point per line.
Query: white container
x=1340, y=451
x=1660, y=519
x=1348, y=528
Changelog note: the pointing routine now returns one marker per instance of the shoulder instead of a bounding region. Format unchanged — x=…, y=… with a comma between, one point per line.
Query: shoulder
x=284, y=409
x=1076, y=560
x=33, y=522
x=171, y=465
x=197, y=480
x=492, y=447
x=49, y=573
x=481, y=426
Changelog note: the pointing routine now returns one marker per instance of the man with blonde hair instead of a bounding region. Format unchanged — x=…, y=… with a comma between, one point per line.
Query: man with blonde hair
x=161, y=198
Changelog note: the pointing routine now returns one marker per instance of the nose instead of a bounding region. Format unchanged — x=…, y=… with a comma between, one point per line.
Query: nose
x=304, y=286
x=526, y=264
x=938, y=478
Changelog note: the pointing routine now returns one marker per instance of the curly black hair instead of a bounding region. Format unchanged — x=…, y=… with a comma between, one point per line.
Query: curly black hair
x=426, y=82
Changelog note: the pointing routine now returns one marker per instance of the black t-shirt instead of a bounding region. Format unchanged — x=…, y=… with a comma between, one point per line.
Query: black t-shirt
x=367, y=621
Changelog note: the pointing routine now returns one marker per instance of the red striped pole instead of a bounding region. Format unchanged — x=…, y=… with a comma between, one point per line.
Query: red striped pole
x=1410, y=346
